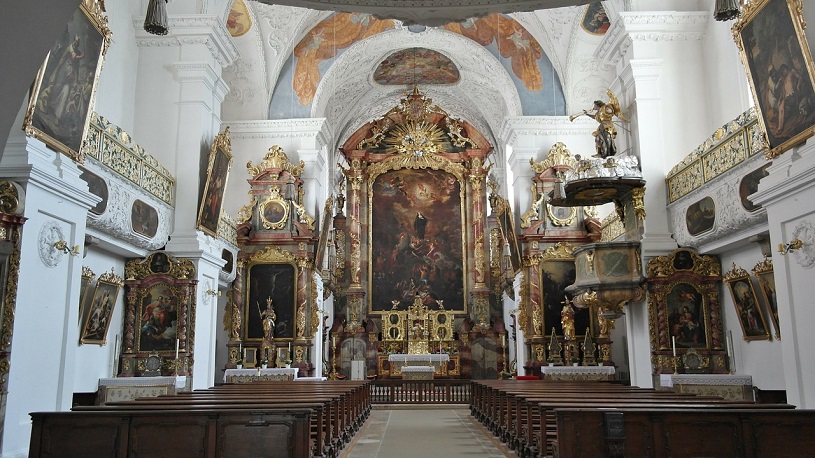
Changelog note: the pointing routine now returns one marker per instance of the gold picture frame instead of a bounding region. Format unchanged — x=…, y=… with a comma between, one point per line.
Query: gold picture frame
x=766, y=281
x=85, y=283
x=220, y=162
x=250, y=360
x=274, y=211
x=773, y=48
x=100, y=309
x=59, y=107
x=745, y=300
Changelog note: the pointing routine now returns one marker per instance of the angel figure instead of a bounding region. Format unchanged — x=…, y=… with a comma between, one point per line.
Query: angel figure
x=605, y=134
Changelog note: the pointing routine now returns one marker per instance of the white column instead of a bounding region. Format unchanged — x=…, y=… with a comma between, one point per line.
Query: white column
x=45, y=333
x=787, y=195
x=178, y=115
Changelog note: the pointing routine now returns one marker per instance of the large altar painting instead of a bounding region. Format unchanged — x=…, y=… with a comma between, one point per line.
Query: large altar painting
x=275, y=282
x=417, y=243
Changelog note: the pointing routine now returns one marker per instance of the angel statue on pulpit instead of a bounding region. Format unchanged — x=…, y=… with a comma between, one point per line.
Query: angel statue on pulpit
x=604, y=113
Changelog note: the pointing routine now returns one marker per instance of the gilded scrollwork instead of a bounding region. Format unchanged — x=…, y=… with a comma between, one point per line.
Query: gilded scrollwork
x=558, y=157
x=272, y=254
x=304, y=217
x=663, y=266
x=533, y=214
x=142, y=268
x=275, y=160
x=561, y=250
x=638, y=202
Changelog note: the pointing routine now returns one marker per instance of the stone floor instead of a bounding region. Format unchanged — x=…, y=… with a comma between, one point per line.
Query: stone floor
x=442, y=432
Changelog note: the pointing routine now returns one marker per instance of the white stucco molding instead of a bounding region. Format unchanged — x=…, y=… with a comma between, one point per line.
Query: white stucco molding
x=665, y=25
x=203, y=29
x=315, y=129
x=515, y=128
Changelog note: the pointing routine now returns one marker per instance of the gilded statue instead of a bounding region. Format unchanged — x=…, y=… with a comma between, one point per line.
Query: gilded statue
x=604, y=113
x=567, y=322
x=268, y=316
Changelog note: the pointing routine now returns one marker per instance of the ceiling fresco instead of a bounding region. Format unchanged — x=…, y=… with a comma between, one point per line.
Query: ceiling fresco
x=416, y=66
x=239, y=21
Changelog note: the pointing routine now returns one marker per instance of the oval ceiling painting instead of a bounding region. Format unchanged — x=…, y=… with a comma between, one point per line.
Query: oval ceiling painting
x=416, y=66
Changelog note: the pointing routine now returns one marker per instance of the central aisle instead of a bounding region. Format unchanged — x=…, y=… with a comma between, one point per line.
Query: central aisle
x=408, y=433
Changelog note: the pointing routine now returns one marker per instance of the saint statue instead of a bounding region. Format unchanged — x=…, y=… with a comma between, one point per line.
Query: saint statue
x=567, y=321
x=268, y=316
x=604, y=113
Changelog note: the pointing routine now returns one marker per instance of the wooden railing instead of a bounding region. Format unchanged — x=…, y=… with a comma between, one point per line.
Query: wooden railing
x=443, y=391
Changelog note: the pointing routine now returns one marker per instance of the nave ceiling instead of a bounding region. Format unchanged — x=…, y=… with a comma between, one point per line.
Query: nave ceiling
x=348, y=97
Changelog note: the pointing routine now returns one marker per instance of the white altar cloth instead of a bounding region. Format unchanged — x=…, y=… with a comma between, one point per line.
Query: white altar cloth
x=292, y=371
x=178, y=381
x=429, y=357
x=418, y=369
x=600, y=370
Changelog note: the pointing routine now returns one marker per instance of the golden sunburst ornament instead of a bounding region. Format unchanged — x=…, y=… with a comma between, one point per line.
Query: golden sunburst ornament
x=416, y=138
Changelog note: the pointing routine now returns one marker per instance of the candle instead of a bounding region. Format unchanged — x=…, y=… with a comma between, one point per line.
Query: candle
x=673, y=344
x=177, y=344
x=730, y=354
x=334, y=341
x=504, y=340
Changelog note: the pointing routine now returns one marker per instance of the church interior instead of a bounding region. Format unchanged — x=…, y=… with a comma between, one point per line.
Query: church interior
x=566, y=190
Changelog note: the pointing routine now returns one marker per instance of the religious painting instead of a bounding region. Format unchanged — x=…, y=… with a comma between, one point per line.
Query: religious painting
x=98, y=187
x=63, y=93
x=556, y=275
x=97, y=317
x=409, y=67
x=745, y=301
x=325, y=232
x=595, y=20
x=700, y=216
x=274, y=211
x=417, y=243
x=239, y=20
x=779, y=66
x=84, y=286
x=766, y=281
x=143, y=219
x=506, y=220
x=220, y=161
x=749, y=185
x=158, y=319
x=159, y=263
x=686, y=316
x=271, y=291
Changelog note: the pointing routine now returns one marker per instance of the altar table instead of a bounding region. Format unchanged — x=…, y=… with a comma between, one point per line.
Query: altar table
x=582, y=373
x=260, y=375
x=116, y=389
x=418, y=372
x=728, y=386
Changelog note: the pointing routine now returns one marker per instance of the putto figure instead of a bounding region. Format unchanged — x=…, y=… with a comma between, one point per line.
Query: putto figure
x=604, y=113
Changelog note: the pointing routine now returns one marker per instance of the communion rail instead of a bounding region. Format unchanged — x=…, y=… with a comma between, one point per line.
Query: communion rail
x=441, y=391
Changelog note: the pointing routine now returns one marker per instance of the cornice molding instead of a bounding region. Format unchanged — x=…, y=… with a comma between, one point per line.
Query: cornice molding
x=285, y=128
x=665, y=26
x=196, y=29
x=514, y=127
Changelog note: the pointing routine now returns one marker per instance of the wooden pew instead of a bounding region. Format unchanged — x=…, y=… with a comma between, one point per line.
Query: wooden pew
x=306, y=418
x=748, y=433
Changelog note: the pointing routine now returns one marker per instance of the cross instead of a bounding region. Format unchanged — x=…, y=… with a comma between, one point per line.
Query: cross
x=566, y=301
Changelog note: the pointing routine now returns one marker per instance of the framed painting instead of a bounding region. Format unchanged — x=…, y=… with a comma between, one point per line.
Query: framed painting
x=557, y=272
x=250, y=360
x=98, y=187
x=700, y=216
x=506, y=220
x=158, y=318
x=766, y=281
x=746, y=303
x=270, y=285
x=274, y=211
x=417, y=245
x=63, y=93
x=325, y=231
x=97, y=318
x=84, y=286
x=687, y=316
x=212, y=199
x=779, y=66
x=143, y=219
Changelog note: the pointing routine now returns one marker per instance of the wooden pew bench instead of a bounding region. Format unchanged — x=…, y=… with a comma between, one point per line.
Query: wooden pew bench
x=747, y=433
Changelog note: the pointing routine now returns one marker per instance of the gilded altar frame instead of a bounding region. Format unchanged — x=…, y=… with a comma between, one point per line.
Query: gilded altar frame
x=270, y=273
x=685, y=312
x=159, y=314
x=745, y=301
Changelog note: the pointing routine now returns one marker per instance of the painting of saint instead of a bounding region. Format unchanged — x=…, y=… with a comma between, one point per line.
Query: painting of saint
x=158, y=321
x=209, y=213
x=97, y=320
x=750, y=316
x=144, y=219
x=749, y=185
x=686, y=316
x=767, y=282
x=417, y=241
x=63, y=94
x=781, y=82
